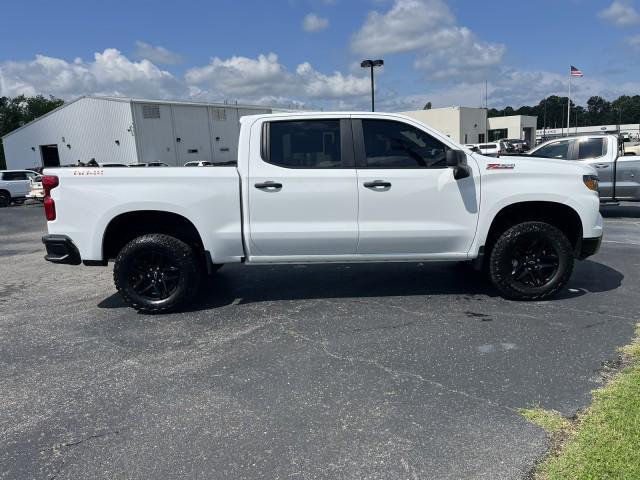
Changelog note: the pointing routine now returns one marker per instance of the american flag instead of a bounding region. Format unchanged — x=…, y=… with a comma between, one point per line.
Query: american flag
x=575, y=72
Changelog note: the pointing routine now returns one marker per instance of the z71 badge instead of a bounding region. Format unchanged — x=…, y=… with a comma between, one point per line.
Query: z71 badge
x=501, y=166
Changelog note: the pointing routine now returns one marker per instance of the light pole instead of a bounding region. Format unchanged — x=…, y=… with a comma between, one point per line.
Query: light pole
x=372, y=64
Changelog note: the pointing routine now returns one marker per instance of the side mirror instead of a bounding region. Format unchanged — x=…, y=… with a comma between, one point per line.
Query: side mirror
x=457, y=160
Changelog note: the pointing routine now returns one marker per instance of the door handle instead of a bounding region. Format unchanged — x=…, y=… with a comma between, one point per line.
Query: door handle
x=377, y=184
x=265, y=185
x=602, y=165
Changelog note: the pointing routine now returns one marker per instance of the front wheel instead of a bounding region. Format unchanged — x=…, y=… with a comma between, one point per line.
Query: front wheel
x=157, y=273
x=531, y=261
x=5, y=199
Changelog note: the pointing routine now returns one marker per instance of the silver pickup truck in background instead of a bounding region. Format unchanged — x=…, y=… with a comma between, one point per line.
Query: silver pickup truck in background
x=618, y=174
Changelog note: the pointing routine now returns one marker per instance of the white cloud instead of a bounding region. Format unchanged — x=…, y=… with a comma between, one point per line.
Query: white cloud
x=110, y=73
x=621, y=13
x=314, y=23
x=252, y=79
x=511, y=87
x=156, y=54
x=258, y=80
x=427, y=28
x=633, y=41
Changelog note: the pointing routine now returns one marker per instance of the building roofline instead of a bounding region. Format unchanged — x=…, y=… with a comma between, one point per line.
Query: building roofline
x=42, y=116
x=146, y=100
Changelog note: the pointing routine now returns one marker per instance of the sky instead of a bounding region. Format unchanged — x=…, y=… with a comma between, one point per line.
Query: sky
x=307, y=52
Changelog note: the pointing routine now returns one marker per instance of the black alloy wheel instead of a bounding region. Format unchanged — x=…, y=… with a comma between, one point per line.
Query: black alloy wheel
x=154, y=275
x=534, y=261
x=157, y=273
x=531, y=261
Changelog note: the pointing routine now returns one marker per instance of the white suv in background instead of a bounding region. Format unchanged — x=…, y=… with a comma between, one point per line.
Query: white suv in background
x=493, y=149
x=15, y=185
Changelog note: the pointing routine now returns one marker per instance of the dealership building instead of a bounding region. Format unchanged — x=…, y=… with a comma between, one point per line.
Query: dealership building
x=119, y=130
x=470, y=125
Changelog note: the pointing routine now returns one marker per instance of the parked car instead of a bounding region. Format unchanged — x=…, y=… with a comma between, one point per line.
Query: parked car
x=518, y=145
x=198, y=164
x=318, y=187
x=149, y=164
x=618, y=174
x=493, y=149
x=37, y=190
x=632, y=149
x=473, y=148
x=14, y=186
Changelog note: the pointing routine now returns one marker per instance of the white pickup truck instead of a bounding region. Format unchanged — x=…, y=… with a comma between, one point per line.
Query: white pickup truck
x=326, y=187
x=618, y=170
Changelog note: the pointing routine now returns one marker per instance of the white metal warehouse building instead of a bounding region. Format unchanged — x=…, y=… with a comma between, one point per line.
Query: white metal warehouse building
x=125, y=130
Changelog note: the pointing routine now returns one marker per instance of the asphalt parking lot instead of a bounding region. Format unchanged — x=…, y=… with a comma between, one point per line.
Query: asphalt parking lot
x=365, y=371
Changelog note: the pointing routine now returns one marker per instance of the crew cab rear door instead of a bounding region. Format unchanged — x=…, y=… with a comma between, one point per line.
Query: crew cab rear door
x=302, y=190
x=409, y=201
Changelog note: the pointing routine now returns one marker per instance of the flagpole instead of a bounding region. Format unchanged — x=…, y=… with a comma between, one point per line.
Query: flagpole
x=569, y=105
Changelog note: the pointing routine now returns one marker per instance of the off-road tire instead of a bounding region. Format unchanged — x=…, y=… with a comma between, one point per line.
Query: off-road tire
x=176, y=252
x=501, y=261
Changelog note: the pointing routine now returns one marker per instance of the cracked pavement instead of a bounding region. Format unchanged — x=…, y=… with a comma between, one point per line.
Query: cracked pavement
x=332, y=371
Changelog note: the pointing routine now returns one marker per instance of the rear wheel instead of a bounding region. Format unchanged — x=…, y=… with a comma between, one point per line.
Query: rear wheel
x=5, y=199
x=531, y=261
x=157, y=273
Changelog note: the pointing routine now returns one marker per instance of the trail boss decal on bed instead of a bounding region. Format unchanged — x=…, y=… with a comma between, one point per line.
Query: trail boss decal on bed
x=501, y=166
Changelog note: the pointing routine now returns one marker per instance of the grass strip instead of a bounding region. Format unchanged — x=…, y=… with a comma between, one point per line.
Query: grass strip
x=604, y=441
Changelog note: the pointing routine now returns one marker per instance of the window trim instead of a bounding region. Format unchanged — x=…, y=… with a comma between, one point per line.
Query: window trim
x=346, y=143
x=360, y=150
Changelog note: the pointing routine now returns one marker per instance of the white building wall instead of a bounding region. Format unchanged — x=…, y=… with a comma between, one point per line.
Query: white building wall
x=461, y=124
x=85, y=129
x=205, y=132
x=445, y=120
x=473, y=125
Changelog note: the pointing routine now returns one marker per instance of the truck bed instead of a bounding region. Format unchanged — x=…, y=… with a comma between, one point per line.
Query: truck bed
x=208, y=197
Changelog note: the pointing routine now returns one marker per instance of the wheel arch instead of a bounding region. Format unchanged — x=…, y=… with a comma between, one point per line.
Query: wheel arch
x=560, y=215
x=129, y=225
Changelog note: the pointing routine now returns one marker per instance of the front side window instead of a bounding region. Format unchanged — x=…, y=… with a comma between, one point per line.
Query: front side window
x=591, y=148
x=390, y=144
x=558, y=150
x=305, y=144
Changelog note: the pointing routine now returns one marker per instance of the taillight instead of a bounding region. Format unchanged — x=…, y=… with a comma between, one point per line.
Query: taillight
x=49, y=182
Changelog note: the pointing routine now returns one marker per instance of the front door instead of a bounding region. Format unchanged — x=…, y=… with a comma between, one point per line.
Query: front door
x=303, y=196
x=409, y=202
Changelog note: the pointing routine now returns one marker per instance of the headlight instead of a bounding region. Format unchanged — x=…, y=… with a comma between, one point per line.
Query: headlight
x=591, y=181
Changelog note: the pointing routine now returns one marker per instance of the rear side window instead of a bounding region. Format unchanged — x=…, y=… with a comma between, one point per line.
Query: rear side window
x=591, y=148
x=304, y=144
x=558, y=150
x=390, y=144
x=8, y=176
x=488, y=146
